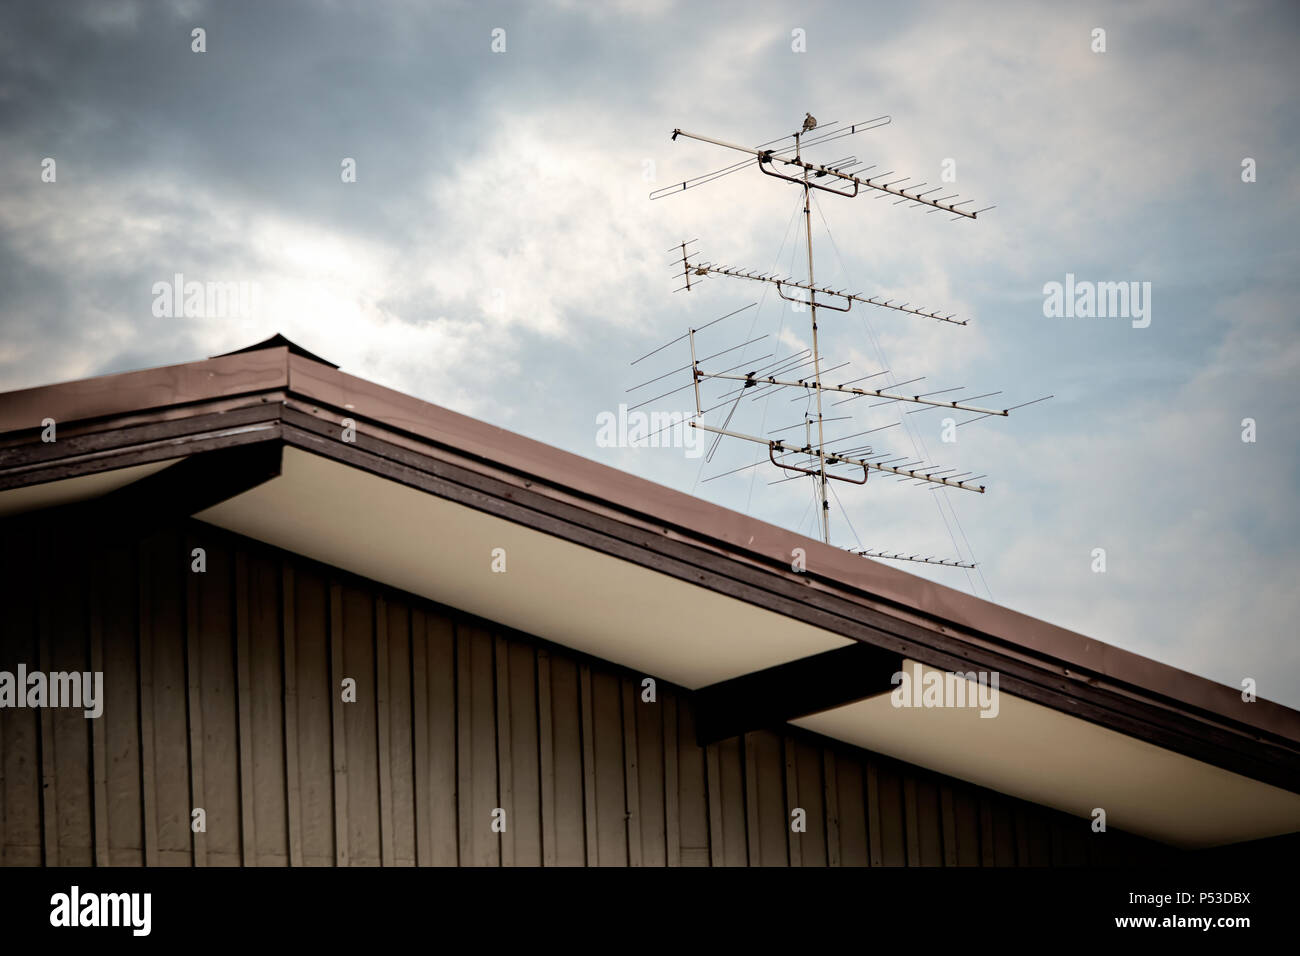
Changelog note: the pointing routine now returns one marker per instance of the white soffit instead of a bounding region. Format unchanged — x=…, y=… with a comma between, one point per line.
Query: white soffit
x=557, y=590
x=1050, y=758
x=69, y=490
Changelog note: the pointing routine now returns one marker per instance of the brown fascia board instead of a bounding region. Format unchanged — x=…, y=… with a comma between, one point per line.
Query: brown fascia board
x=210, y=391
x=126, y=393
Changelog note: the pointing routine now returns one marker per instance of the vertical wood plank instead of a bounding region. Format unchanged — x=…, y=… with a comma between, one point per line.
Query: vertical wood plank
x=751, y=802
x=168, y=569
x=265, y=675
x=850, y=777
x=692, y=788
x=1057, y=857
x=652, y=797
x=485, y=847
x=4, y=796
x=68, y=646
x=1074, y=842
x=631, y=777
x=713, y=783
x=289, y=672
x=216, y=698
x=949, y=822
x=812, y=794
x=121, y=713
x=874, y=838
x=987, y=847
x=244, y=720
x=12, y=831
x=607, y=747
x=1004, y=832
x=420, y=737
x=569, y=806
x=1021, y=821
x=444, y=787
x=316, y=694
x=731, y=793
x=588, y=763
x=1040, y=838
x=49, y=779
x=194, y=704
x=144, y=658
x=383, y=733
x=893, y=816
x=21, y=734
x=98, y=730
x=464, y=746
x=967, y=816
x=49, y=791
x=672, y=792
x=546, y=755
x=342, y=856
x=929, y=820
x=831, y=796
x=401, y=739
x=769, y=815
x=525, y=750
x=505, y=765
x=792, y=799
x=360, y=726
x=911, y=823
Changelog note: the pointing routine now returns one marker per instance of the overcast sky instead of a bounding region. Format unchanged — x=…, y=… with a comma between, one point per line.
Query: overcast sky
x=498, y=253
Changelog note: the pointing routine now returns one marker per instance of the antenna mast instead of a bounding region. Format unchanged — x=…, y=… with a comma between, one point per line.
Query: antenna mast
x=808, y=124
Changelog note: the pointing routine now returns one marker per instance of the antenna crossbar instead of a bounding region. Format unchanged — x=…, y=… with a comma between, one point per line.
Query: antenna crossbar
x=700, y=269
x=821, y=137
x=946, y=562
x=787, y=448
x=752, y=379
x=767, y=157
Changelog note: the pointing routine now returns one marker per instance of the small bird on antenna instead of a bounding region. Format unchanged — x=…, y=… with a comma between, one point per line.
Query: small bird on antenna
x=809, y=122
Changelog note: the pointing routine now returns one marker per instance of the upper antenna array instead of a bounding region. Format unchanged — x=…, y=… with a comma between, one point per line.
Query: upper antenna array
x=839, y=458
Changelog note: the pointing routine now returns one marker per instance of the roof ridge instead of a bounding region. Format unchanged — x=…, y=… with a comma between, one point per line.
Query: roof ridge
x=278, y=341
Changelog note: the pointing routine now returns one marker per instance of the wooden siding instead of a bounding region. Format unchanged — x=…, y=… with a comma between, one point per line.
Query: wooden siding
x=222, y=692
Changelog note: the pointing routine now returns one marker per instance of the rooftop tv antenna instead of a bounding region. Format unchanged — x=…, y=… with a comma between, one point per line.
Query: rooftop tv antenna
x=839, y=459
